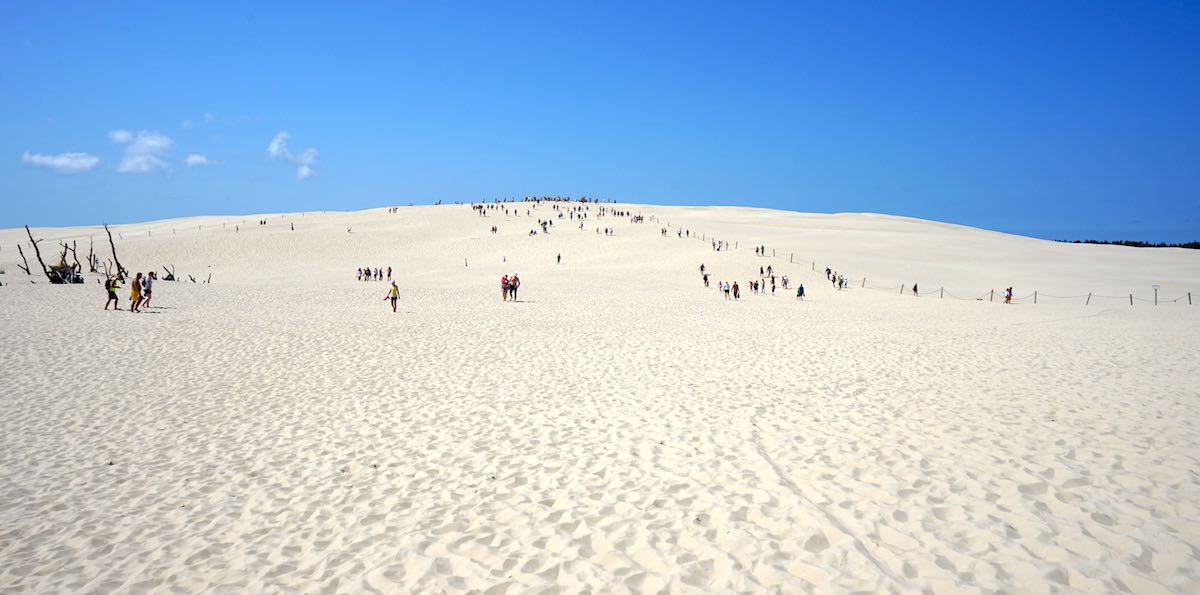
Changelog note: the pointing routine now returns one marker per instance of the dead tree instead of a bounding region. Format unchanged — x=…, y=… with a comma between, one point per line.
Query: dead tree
x=120, y=269
x=91, y=255
x=26, y=267
x=72, y=274
x=38, y=253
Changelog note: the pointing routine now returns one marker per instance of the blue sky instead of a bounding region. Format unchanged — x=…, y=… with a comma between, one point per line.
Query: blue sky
x=1052, y=119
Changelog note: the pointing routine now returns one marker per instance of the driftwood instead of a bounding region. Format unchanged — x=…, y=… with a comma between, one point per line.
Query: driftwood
x=120, y=269
x=170, y=276
x=192, y=278
x=68, y=273
x=26, y=267
x=74, y=255
x=37, y=252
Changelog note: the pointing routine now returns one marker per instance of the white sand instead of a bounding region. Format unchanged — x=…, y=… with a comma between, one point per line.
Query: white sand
x=622, y=428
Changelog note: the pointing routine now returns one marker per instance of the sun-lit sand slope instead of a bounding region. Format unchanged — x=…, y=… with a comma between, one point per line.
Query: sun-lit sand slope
x=620, y=429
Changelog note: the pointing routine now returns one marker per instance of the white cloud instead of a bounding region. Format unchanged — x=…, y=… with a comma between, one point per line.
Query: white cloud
x=120, y=136
x=144, y=153
x=278, y=149
x=185, y=124
x=66, y=163
x=197, y=159
x=278, y=146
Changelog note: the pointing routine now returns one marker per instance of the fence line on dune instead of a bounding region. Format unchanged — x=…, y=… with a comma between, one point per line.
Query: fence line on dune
x=990, y=295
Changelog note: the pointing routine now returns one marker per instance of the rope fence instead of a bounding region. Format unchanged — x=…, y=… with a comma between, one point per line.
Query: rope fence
x=991, y=295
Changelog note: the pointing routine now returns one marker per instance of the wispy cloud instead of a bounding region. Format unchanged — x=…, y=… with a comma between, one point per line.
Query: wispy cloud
x=144, y=152
x=196, y=159
x=210, y=117
x=65, y=163
x=278, y=149
x=186, y=124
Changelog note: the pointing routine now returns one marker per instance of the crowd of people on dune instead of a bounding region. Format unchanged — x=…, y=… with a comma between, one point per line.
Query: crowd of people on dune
x=141, y=287
x=374, y=274
x=767, y=278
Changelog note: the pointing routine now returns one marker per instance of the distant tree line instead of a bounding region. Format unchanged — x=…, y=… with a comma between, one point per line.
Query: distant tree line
x=1135, y=244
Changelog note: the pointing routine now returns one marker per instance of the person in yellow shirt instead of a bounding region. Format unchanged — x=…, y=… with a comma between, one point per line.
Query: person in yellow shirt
x=393, y=294
x=110, y=285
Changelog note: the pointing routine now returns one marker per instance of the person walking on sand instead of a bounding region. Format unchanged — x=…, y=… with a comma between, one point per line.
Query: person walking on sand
x=1008, y=295
x=725, y=287
x=147, y=289
x=800, y=292
x=504, y=288
x=559, y=259
x=737, y=295
x=111, y=286
x=135, y=293
x=393, y=294
x=915, y=293
x=514, y=283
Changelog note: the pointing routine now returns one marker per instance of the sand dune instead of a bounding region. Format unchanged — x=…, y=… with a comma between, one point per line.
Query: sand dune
x=620, y=429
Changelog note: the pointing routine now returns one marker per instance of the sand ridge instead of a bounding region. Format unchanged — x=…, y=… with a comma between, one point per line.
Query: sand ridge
x=620, y=429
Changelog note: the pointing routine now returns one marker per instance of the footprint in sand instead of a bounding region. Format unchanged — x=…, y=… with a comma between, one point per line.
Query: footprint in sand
x=817, y=543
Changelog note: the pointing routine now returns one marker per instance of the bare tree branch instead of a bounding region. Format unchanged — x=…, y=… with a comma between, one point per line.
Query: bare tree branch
x=38, y=253
x=91, y=256
x=120, y=269
x=26, y=267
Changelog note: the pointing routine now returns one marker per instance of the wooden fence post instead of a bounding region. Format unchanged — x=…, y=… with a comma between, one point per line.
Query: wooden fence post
x=1131, y=299
x=991, y=294
x=1189, y=298
x=1155, y=296
x=864, y=285
x=941, y=293
x=901, y=289
x=1089, y=300
x=1035, y=296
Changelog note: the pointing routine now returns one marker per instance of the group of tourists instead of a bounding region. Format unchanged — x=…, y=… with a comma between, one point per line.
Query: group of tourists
x=375, y=274
x=733, y=291
x=141, y=290
x=833, y=277
x=509, y=286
